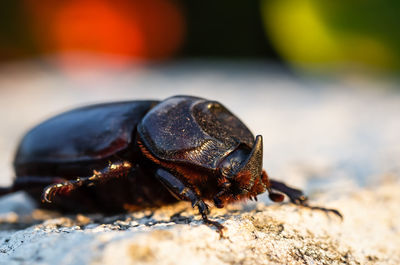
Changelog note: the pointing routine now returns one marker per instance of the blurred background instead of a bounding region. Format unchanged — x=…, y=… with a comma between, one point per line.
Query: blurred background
x=307, y=35
x=317, y=78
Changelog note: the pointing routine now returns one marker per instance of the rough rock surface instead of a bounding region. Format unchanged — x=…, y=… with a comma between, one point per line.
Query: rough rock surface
x=338, y=141
x=255, y=234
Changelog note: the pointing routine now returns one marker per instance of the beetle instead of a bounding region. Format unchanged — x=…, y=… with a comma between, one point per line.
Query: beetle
x=131, y=155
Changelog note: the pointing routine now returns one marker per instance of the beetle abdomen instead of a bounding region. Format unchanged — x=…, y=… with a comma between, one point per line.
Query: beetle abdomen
x=84, y=134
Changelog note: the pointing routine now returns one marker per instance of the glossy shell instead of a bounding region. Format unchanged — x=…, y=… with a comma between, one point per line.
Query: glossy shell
x=192, y=130
x=88, y=133
x=172, y=146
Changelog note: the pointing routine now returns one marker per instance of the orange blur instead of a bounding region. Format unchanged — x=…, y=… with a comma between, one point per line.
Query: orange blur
x=130, y=30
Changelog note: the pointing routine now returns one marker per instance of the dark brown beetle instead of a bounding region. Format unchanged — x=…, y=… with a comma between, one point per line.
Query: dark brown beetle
x=132, y=155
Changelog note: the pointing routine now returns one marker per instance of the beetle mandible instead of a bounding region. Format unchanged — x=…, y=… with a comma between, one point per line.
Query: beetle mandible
x=131, y=155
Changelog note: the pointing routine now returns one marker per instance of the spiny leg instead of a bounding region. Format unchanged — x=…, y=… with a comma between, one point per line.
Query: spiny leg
x=297, y=197
x=182, y=192
x=325, y=210
x=114, y=170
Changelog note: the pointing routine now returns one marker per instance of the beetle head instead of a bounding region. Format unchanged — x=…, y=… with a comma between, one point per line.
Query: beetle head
x=242, y=176
x=239, y=171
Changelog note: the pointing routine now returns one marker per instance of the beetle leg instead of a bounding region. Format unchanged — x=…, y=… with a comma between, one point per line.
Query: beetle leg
x=224, y=189
x=297, y=197
x=179, y=190
x=114, y=170
x=182, y=192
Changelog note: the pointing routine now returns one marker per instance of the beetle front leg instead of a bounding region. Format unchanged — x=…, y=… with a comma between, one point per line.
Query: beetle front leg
x=114, y=170
x=297, y=197
x=182, y=192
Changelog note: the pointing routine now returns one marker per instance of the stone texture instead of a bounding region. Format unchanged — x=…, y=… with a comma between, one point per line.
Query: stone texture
x=255, y=233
